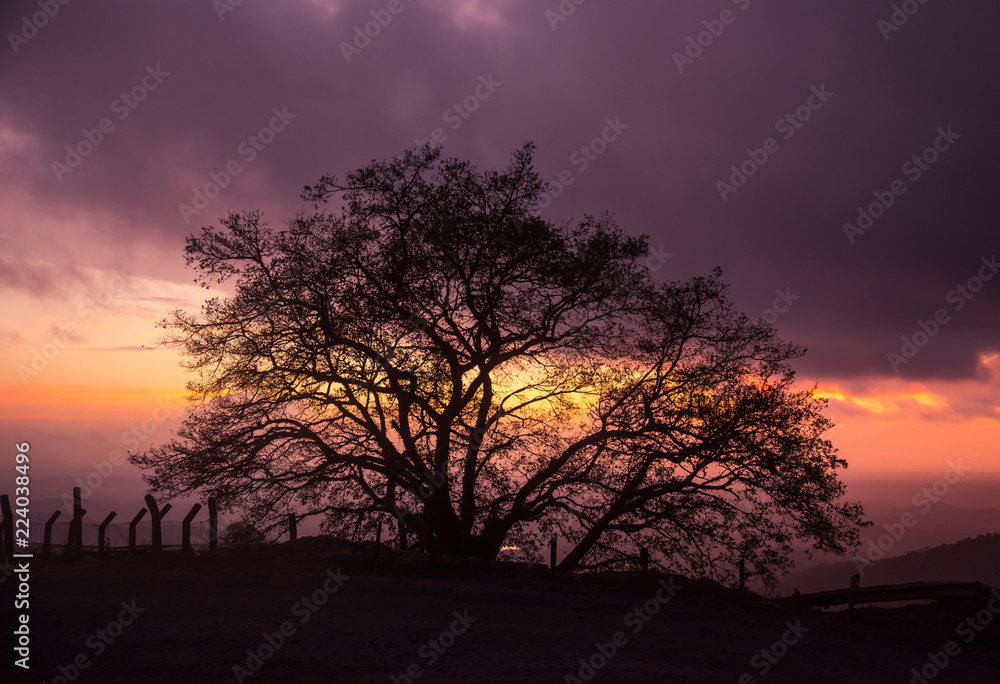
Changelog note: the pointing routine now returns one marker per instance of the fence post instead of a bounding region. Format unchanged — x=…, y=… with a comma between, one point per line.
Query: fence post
x=644, y=566
x=7, y=526
x=131, y=529
x=213, y=525
x=47, y=540
x=743, y=580
x=401, y=532
x=101, y=529
x=186, y=527
x=552, y=555
x=75, y=540
x=156, y=515
x=852, y=592
x=293, y=533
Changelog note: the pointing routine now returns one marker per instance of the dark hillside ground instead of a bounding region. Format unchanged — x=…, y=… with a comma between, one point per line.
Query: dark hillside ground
x=200, y=614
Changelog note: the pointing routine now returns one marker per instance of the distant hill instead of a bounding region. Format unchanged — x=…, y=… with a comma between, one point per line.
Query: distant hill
x=976, y=559
x=937, y=524
x=934, y=526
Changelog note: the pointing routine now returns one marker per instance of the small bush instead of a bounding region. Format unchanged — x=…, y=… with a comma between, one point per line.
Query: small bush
x=241, y=533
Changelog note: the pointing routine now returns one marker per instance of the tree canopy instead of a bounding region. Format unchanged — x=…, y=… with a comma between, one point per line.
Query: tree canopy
x=422, y=349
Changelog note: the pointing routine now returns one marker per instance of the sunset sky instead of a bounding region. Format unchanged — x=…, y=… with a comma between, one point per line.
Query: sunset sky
x=741, y=134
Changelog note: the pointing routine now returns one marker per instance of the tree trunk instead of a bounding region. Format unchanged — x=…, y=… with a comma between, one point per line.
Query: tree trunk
x=576, y=554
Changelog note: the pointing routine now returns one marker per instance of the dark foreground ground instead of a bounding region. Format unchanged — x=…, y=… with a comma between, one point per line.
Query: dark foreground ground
x=193, y=618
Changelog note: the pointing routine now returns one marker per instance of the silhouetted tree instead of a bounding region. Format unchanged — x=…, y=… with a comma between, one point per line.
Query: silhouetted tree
x=427, y=350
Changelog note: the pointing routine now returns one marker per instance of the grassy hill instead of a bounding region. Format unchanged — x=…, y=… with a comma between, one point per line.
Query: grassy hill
x=317, y=610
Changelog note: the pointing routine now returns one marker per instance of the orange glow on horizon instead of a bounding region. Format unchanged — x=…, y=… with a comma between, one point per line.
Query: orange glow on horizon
x=59, y=402
x=897, y=426
x=884, y=402
x=886, y=425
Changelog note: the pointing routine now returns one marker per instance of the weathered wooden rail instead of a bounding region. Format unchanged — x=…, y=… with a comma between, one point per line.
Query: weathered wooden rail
x=884, y=593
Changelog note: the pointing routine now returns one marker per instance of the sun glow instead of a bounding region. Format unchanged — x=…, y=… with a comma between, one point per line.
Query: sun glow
x=885, y=402
x=24, y=402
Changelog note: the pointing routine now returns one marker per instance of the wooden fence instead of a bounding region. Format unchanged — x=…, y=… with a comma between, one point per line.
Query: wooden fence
x=74, y=540
x=851, y=596
x=884, y=593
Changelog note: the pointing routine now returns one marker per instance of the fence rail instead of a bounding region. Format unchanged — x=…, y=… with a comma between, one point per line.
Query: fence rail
x=885, y=593
x=74, y=535
x=851, y=596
